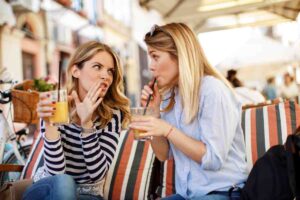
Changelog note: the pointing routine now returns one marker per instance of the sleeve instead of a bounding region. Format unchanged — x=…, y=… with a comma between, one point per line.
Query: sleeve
x=218, y=122
x=100, y=147
x=53, y=154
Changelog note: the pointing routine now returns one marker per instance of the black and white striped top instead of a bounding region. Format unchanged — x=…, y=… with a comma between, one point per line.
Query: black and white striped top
x=85, y=158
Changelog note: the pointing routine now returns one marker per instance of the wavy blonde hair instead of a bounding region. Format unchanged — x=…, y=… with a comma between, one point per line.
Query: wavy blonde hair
x=182, y=44
x=114, y=98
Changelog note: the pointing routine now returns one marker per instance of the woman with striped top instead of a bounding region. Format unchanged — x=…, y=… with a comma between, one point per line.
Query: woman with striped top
x=78, y=155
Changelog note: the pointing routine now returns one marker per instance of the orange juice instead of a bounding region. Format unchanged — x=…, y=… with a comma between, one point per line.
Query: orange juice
x=140, y=112
x=137, y=133
x=61, y=114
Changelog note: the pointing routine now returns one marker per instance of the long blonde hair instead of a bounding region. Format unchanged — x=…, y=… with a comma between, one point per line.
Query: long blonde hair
x=114, y=98
x=182, y=44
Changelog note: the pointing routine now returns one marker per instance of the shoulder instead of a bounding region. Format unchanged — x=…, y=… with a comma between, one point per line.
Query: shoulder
x=213, y=86
x=115, y=123
x=214, y=90
x=117, y=113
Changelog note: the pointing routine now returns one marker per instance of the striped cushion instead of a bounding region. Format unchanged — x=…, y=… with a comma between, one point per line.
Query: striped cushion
x=167, y=171
x=263, y=127
x=35, y=158
x=267, y=126
x=130, y=172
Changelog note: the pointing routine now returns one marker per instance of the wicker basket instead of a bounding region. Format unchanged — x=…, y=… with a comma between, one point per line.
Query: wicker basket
x=25, y=101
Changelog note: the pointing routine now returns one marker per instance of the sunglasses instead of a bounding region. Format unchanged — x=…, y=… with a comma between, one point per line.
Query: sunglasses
x=155, y=29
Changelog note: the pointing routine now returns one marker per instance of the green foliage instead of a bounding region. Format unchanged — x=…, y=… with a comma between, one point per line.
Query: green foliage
x=42, y=86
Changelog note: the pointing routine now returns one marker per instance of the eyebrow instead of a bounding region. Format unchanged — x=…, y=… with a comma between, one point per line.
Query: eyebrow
x=97, y=63
x=102, y=65
x=152, y=51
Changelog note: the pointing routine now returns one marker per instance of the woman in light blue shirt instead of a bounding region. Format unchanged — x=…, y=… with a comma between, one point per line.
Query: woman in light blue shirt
x=198, y=119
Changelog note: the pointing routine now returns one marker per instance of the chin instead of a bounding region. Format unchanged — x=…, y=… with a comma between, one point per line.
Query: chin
x=161, y=84
x=102, y=94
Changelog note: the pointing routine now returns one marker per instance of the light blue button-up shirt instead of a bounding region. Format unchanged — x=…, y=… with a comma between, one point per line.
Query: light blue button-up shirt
x=218, y=126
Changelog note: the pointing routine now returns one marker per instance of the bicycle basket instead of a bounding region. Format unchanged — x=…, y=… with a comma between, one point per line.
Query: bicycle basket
x=25, y=101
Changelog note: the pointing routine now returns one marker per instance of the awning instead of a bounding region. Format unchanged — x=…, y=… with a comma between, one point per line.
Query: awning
x=210, y=15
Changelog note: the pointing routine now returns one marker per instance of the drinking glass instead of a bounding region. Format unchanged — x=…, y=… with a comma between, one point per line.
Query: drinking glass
x=140, y=112
x=61, y=113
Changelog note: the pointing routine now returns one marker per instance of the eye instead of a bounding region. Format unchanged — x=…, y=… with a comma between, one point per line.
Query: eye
x=111, y=71
x=97, y=67
x=155, y=57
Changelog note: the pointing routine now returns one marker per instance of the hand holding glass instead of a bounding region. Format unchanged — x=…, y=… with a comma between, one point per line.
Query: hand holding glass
x=140, y=112
x=61, y=113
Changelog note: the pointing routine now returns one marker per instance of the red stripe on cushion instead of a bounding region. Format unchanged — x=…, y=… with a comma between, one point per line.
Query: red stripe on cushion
x=253, y=136
x=272, y=125
x=140, y=171
x=169, y=178
x=34, y=158
x=122, y=167
x=35, y=138
x=297, y=110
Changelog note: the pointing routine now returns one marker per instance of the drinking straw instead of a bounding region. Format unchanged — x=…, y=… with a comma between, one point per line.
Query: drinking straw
x=149, y=98
x=59, y=79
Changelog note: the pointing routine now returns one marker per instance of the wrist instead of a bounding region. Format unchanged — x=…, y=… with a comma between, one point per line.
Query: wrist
x=169, y=132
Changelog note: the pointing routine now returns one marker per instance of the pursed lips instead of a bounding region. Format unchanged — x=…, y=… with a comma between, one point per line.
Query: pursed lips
x=104, y=85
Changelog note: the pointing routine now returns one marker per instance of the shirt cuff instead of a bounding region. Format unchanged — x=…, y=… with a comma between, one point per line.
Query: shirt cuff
x=210, y=161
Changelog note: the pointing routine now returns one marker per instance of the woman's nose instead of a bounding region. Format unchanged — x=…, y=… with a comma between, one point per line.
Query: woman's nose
x=151, y=67
x=104, y=75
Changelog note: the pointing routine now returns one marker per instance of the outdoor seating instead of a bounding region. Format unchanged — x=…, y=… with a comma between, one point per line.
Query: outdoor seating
x=133, y=173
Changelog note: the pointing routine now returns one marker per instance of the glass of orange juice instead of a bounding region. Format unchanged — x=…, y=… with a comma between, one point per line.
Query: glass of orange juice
x=61, y=113
x=140, y=112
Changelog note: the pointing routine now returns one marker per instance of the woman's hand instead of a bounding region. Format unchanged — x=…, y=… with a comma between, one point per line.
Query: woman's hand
x=86, y=108
x=151, y=126
x=45, y=110
x=155, y=99
x=45, y=107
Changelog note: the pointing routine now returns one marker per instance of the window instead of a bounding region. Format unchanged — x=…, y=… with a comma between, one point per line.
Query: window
x=28, y=65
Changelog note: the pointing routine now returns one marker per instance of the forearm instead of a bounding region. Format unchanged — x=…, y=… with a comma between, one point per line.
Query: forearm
x=194, y=149
x=54, y=157
x=160, y=147
x=94, y=156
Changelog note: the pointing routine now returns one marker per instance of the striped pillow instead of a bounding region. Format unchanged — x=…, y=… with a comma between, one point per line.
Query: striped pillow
x=263, y=128
x=130, y=172
x=267, y=126
x=35, y=158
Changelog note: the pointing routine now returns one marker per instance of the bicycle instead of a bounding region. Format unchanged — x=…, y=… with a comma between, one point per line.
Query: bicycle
x=13, y=153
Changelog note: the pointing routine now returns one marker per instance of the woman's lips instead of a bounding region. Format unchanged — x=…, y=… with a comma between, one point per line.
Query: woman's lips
x=104, y=86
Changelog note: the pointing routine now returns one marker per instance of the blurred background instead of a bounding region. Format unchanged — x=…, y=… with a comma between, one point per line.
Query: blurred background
x=257, y=41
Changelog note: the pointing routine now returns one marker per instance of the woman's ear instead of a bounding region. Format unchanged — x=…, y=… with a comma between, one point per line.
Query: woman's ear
x=75, y=71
